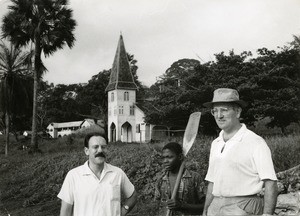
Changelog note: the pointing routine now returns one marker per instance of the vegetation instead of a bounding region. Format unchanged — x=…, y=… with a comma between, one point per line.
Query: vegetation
x=269, y=83
x=15, y=87
x=49, y=26
x=29, y=183
x=62, y=103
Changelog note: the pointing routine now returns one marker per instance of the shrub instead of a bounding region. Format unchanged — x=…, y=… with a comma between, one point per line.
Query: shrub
x=285, y=151
x=35, y=180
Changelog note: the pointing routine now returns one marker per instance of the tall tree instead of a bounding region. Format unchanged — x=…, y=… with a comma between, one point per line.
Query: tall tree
x=296, y=42
x=15, y=86
x=173, y=96
x=61, y=103
x=277, y=92
x=49, y=25
x=92, y=97
x=269, y=83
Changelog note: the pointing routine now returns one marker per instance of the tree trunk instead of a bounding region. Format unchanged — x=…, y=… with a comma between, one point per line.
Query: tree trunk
x=36, y=75
x=34, y=143
x=7, y=124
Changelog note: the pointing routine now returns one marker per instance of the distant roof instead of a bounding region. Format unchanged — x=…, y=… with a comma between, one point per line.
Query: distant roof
x=66, y=124
x=121, y=76
x=91, y=121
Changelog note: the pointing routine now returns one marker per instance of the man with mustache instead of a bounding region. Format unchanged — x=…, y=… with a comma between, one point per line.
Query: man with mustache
x=240, y=164
x=190, y=195
x=95, y=188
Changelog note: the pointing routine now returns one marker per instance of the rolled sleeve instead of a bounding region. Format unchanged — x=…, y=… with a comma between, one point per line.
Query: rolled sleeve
x=263, y=161
x=126, y=186
x=210, y=172
x=66, y=192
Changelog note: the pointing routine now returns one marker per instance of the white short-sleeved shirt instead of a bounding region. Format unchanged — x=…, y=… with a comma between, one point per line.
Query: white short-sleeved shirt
x=93, y=197
x=239, y=170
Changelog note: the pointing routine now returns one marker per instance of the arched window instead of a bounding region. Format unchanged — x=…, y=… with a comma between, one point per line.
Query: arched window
x=112, y=96
x=126, y=96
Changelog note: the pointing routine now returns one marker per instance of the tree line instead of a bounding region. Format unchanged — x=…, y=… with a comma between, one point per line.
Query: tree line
x=269, y=82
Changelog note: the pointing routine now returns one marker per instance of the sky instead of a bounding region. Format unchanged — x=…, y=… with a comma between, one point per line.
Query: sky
x=160, y=32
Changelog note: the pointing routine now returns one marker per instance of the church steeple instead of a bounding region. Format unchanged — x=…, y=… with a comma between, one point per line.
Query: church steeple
x=121, y=76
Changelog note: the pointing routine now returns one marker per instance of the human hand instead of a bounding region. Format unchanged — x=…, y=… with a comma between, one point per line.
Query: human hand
x=174, y=204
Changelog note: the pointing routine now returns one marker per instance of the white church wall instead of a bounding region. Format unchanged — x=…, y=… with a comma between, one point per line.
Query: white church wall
x=119, y=113
x=139, y=121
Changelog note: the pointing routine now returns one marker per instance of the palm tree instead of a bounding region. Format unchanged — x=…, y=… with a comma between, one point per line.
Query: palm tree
x=15, y=85
x=48, y=24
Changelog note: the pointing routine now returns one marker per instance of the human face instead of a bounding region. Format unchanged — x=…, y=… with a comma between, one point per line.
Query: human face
x=226, y=116
x=171, y=161
x=96, y=150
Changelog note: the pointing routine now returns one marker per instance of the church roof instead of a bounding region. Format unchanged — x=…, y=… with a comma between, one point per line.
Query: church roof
x=121, y=76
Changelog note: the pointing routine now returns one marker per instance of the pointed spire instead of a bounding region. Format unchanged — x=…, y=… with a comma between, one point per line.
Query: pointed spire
x=121, y=76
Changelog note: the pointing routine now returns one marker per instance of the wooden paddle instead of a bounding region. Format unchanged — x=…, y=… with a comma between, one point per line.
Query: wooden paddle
x=189, y=137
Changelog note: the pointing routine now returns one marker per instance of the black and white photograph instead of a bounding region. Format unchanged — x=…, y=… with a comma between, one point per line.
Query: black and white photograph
x=149, y=108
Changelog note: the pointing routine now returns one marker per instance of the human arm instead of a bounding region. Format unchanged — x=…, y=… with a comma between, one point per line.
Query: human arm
x=66, y=196
x=176, y=205
x=270, y=196
x=130, y=202
x=265, y=168
x=209, y=198
x=66, y=209
x=193, y=198
x=128, y=193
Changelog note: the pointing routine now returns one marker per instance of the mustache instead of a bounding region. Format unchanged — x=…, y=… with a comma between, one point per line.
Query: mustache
x=100, y=154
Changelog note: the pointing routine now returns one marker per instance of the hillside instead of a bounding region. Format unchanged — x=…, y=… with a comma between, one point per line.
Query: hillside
x=29, y=183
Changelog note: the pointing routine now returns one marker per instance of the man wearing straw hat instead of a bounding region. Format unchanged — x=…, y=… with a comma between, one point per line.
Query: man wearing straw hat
x=240, y=163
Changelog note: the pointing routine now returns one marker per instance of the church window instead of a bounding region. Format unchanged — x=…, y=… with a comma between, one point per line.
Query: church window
x=126, y=96
x=121, y=110
x=131, y=110
x=112, y=96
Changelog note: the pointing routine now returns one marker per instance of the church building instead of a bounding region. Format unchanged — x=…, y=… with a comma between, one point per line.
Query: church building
x=125, y=118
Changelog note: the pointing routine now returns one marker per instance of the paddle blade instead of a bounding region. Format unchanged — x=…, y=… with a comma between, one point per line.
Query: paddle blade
x=191, y=131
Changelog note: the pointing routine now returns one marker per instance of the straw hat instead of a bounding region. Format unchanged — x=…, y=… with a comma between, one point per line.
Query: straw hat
x=225, y=95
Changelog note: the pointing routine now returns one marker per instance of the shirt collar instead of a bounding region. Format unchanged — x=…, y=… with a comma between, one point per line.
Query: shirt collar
x=87, y=171
x=237, y=137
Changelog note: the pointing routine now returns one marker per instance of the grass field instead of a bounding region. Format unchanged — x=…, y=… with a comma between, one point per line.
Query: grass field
x=29, y=183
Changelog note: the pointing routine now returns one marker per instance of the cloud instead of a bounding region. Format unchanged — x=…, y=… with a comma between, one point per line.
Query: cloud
x=160, y=32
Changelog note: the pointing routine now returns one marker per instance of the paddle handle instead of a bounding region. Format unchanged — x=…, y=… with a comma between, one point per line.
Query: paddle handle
x=177, y=183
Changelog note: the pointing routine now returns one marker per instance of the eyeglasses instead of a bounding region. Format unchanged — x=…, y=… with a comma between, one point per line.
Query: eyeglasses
x=222, y=110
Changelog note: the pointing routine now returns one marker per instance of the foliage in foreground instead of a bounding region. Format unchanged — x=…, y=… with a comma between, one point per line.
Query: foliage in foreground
x=30, y=183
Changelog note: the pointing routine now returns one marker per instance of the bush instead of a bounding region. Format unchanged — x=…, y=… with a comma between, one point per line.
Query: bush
x=285, y=151
x=33, y=181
